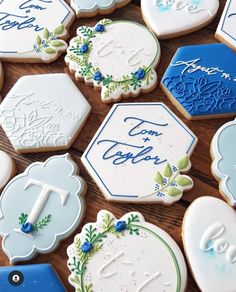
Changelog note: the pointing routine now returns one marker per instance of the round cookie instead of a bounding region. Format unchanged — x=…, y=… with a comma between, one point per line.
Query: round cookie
x=90, y=8
x=173, y=18
x=7, y=169
x=209, y=239
x=34, y=31
x=118, y=57
x=125, y=255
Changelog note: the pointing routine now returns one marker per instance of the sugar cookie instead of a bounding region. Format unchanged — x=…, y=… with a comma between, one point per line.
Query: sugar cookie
x=1, y=76
x=118, y=57
x=200, y=84
x=43, y=113
x=209, y=239
x=125, y=255
x=7, y=168
x=89, y=8
x=33, y=204
x=173, y=18
x=33, y=30
x=139, y=154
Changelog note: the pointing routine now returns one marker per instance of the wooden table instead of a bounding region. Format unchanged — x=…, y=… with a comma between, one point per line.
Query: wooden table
x=168, y=218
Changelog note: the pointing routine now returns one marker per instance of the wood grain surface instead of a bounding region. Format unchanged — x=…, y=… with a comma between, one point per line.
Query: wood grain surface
x=169, y=218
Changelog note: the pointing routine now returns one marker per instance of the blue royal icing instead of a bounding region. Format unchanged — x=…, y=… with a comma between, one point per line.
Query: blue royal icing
x=202, y=80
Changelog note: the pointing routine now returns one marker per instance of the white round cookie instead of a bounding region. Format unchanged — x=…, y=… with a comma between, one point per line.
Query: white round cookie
x=7, y=168
x=172, y=18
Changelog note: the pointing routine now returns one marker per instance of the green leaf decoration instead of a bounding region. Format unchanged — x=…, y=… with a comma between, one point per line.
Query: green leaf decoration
x=183, y=163
x=42, y=223
x=38, y=40
x=57, y=43
x=23, y=218
x=167, y=170
x=159, y=178
x=49, y=51
x=59, y=30
x=183, y=181
x=173, y=192
x=46, y=33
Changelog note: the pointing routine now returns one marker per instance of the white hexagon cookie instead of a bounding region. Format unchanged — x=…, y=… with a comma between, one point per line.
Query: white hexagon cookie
x=33, y=31
x=43, y=113
x=139, y=153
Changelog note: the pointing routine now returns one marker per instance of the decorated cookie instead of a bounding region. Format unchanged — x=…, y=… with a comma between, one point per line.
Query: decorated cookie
x=117, y=57
x=172, y=18
x=88, y=8
x=30, y=278
x=210, y=244
x=200, y=84
x=226, y=31
x=1, y=75
x=33, y=30
x=40, y=207
x=43, y=113
x=140, y=154
x=224, y=162
x=125, y=255
x=7, y=168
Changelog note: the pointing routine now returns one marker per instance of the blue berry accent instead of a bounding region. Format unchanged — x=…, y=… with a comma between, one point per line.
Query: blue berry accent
x=98, y=76
x=120, y=226
x=100, y=28
x=27, y=228
x=84, y=49
x=86, y=247
x=140, y=74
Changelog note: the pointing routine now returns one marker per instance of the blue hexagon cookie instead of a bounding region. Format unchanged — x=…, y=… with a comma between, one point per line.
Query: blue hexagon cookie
x=139, y=153
x=201, y=81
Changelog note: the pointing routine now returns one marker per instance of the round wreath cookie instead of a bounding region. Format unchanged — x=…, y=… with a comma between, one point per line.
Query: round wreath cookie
x=118, y=57
x=125, y=255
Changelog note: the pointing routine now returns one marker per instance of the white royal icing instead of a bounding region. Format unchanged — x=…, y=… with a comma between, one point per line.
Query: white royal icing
x=169, y=18
x=227, y=26
x=1, y=75
x=130, y=262
x=33, y=29
x=43, y=111
x=210, y=244
x=6, y=168
x=121, y=51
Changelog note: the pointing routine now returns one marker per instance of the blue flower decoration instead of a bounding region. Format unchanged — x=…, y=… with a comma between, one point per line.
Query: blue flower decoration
x=120, y=226
x=140, y=74
x=98, y=76
x=86, y=247
x=27, y=228
x=99, y=28
x=84, y=49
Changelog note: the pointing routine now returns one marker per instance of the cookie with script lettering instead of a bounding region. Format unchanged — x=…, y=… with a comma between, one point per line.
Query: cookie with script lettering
x=34, y=30
x=200, y=84
x=128, y=254
x=28, y=278
x=140, y=154
x=210, y=244
x=40, y=207
x=173, y=18
x=38, y=114
x=224, y=161
x=116, y=57
x=90, y=8
x=226, y=31
x=7, y=168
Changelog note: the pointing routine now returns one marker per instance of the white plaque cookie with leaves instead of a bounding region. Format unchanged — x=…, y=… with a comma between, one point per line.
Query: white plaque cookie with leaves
x=140, y=154
x=33, y=30
x=40, y=207
x=118, y=57
x=125, y=255
x=43, y=113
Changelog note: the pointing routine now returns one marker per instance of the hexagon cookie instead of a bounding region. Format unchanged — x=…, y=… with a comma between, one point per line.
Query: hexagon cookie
x=226, y=31
x=43, y=113
x=33, y=31
x=139, y=153
x=201, y=81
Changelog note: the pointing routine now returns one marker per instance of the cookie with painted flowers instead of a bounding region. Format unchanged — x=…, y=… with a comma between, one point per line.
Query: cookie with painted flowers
x=33, y=204
x=173, y=18
x=128, y=254
x=116, y=57
x=34, y=31
x=89, y=8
